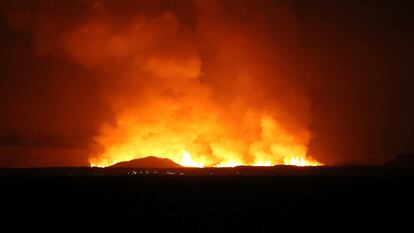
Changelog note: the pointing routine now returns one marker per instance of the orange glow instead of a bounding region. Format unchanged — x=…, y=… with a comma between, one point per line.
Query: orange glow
x=300, y=161
x=187, y=161
x=221, y=152
x=197, y=133
x=192, y=97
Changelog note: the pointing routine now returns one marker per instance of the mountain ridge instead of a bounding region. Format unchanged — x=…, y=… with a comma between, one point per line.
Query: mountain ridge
x=147, y=162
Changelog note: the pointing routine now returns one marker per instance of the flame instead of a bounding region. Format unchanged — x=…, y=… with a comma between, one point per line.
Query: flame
x=263, y=164
x=187, y=161
x=270, y=145
x=300, y=161
x=229, y=164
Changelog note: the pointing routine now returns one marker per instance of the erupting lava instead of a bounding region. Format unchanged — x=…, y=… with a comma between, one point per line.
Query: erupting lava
x=187, y=161
x=269, y=146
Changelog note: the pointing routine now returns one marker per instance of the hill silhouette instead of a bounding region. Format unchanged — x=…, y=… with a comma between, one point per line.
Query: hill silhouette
x=147, y=162
x=402, y=160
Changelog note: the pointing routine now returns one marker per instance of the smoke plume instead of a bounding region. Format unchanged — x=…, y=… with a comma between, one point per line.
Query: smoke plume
x=200, y=82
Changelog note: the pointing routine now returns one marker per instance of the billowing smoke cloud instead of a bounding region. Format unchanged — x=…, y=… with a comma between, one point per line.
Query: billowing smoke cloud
x=113, y=80
x=208, y=78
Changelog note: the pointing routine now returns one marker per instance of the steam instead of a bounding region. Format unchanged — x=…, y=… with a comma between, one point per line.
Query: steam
x=222, y=86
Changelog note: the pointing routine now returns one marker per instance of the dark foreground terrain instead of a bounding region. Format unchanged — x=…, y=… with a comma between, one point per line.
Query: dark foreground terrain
x=346, y=199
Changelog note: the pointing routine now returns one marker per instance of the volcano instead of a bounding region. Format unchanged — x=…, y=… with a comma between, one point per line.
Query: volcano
x=148, y=162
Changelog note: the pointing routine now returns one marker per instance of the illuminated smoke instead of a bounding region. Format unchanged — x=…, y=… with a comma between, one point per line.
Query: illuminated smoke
x=219, y=89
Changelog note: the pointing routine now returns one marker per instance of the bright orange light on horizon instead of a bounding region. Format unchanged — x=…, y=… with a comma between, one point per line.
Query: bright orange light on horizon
x=187, y=161
x=212, y=142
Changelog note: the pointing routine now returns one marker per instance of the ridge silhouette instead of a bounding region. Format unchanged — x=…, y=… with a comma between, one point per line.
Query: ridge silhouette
x=147, y=162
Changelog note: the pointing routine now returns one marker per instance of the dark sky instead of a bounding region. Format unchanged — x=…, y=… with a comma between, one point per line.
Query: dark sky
x=361, y=53
x=355, y=67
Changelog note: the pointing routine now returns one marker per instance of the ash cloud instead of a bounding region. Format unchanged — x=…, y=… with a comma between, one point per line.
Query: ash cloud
x=101, y=76
x=204, y=84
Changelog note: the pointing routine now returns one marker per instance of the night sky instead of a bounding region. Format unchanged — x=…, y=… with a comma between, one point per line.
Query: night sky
x=351, y=60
